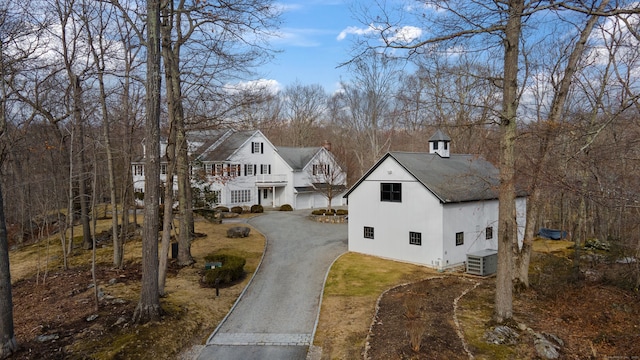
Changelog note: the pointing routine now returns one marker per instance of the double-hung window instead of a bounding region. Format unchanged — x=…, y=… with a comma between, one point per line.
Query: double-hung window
x=391, y=192
x=321, y=169
x=248, y=170
x=488, y=233
x=219, y=169
x=257, y=148
x=234, y=170
x=459, y=238
x=368, y=232
x=415, y=238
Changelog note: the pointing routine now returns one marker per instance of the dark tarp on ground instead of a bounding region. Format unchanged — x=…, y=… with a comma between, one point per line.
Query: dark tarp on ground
x=552, y=234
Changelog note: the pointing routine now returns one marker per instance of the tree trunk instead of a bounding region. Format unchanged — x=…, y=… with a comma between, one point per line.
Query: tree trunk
x=523, y=255
x=507, y=226
x=83, y=193
x=70, y=209
x=148, y=308
x=167, y=55
x=99, y=63
x=185, y=208
x=8, y=343
x=128, y=201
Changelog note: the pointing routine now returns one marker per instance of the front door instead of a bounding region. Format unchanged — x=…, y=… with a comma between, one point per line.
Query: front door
x=265, y=197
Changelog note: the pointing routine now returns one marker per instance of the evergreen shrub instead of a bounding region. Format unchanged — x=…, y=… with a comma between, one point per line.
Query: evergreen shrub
x=236, y=209
x=232, y=269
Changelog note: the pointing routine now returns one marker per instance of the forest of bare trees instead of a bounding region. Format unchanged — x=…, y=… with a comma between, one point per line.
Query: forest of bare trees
x=560, y=114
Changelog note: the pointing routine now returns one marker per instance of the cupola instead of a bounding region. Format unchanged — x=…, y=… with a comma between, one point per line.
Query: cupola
x=439, y=144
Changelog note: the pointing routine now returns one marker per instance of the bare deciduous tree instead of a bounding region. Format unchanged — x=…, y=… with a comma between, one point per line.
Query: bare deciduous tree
x=366, y=103
x=327, y=178
x=148, y=308
x=303, y=106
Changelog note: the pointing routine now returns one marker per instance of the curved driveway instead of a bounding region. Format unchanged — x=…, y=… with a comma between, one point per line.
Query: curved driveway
x=276, y=316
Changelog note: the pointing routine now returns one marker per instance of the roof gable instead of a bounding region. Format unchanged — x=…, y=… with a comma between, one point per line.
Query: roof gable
x=297, y=158
x=459, y=178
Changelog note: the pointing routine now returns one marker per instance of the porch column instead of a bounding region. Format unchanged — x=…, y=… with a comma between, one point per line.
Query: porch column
x=273, y=196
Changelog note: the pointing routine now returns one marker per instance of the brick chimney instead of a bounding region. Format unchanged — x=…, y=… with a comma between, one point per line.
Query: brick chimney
x=327, y=145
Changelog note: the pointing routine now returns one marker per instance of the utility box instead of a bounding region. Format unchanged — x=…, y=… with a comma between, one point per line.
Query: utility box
x=482, y=263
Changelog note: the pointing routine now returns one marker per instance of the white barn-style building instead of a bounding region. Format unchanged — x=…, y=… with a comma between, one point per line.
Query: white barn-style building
x=244, y=168
x=431, y=209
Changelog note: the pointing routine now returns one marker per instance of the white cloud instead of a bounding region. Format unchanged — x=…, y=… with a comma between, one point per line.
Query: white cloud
x=354, y=30
x=405, y=34
x=282, y=7
x=271, y=85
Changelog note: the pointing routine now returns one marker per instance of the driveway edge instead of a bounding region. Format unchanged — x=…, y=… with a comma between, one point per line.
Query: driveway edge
x=264, y=251
x=315, y=352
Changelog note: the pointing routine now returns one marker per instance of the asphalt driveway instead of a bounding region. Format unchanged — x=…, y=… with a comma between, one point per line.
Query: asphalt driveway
x=276, y=316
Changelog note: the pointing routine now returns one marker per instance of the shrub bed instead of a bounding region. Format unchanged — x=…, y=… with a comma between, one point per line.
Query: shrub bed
x=237, y=209
x=341, y=212
x=232, y=269
x=329, y=216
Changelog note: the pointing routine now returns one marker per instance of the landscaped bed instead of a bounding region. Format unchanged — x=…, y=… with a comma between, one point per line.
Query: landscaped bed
x=593, y=319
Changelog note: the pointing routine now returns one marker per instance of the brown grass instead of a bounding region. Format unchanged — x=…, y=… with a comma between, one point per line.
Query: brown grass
x=191, y=312
x=353, y=286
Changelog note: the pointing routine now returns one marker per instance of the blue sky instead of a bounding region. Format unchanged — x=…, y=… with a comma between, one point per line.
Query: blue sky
x=309, y=42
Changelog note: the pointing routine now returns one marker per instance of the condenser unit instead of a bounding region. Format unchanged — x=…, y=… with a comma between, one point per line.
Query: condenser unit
x=483, y=262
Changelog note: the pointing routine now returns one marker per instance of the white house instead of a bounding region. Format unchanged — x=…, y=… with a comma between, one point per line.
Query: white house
x=244, y=168
x=430, y=208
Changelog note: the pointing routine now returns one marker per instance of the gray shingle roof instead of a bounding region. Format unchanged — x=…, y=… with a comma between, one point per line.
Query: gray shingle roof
x=297, y=158
x=439, y=136
x=458, y=178
x=222, y=151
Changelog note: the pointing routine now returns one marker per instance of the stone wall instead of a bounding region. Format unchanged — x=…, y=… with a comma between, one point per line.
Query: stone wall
x=329, y=219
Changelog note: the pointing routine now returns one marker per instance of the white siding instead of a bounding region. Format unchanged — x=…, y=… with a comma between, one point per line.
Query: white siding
x=472, y=219
x=419, y=211
x=243, y=155
x=283, y=193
